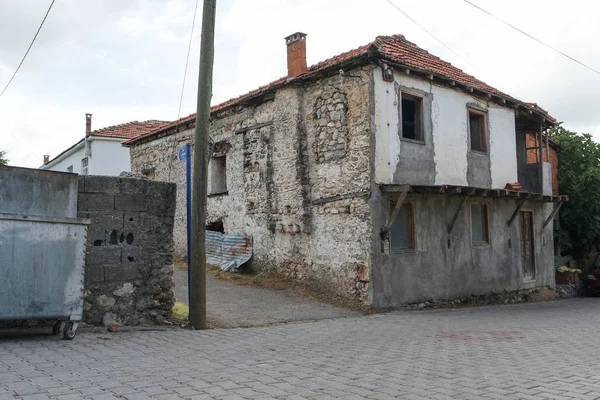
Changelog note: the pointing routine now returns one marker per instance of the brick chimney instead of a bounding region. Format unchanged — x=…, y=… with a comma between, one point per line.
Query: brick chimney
x=88, y=124
x=296, y=54
x=46, y=159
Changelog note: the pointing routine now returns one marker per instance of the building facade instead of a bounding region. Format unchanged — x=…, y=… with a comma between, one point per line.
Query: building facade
x=380, y=173
x=100, y=152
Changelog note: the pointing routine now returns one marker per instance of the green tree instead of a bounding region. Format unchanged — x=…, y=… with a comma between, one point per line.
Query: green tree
x=579, y=178
x=3, y=160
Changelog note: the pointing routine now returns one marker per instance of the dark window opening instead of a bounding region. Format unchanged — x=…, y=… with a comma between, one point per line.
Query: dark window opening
x=218, y=175
x=479, y=223
x=412, y=113
x=477, y=131
x=216, y=226
x=402, y=235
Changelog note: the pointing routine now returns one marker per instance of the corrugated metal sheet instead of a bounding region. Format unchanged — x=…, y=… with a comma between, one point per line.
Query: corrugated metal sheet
x=227, y=251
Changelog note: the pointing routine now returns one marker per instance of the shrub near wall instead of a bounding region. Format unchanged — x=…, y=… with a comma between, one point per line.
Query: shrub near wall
x=129, y=262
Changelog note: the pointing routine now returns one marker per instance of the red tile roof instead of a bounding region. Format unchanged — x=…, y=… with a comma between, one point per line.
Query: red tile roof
x=394, y=49
x=129, y=130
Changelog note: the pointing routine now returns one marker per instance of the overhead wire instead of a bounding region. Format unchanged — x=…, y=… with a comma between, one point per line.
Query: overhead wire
x=29, y=48
x=433, y=36
x=532, y=37
x=187, y=60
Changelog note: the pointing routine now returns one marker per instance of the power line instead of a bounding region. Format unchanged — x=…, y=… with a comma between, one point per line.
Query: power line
x=29, y=48
x=432, y=35
x=531, y=37
x=187, y=59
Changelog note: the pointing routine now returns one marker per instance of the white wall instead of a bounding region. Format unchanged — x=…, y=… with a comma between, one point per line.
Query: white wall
x=74, y=159
x=108, y=157
x=449, y=130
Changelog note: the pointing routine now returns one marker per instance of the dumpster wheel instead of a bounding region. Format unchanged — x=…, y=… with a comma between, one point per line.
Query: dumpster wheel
x=70, y=330
x=57, y=328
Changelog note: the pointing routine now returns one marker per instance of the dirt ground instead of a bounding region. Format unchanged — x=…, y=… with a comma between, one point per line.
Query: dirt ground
x=237, y=299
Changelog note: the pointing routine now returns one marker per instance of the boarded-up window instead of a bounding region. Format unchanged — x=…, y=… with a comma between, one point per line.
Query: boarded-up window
x=477, y=131
x=402, y=231
x=218, y=175
x=479, y=223
x=412, y=115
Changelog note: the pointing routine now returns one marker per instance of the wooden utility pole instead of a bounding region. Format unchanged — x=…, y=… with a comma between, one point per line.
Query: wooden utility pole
x=200, y=174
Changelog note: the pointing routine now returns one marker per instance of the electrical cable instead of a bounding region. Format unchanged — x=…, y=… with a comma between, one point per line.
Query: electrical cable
x=432, y=35
x=532, y=37
x=187, y=59
x=29, y=48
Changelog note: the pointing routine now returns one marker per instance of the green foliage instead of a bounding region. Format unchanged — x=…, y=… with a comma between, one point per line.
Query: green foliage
x=579, y=178
x=3, y=160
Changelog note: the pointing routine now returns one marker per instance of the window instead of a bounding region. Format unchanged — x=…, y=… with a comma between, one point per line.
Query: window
x=218, y=175
x=412, y=116
x=84, y=166
x=70, y=168
x=402, y=232
x=477, y=131
x=479, y=223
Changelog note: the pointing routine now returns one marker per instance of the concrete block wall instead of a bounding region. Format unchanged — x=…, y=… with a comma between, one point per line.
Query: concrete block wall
x=129, y=263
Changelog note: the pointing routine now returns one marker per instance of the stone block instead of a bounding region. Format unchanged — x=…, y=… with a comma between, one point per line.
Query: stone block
x=132, y=254
x=137, y=221
x=94, y=274
x=95, y=202
x=102, y=184
x=100, y=255
x=122, y=272
x=130, y=202
x=81, y=183
x=134, y=186
x=103, y=225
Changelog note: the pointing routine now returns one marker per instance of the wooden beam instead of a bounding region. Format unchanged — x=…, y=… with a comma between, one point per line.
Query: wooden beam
x=396, y=211
x=395, y=188
x=454, y=190
x=552, y=214
x=330, y=199
x=516, y=212
x=456, y=214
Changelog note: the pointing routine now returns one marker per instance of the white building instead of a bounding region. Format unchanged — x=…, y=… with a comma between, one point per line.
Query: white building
x=100, y=152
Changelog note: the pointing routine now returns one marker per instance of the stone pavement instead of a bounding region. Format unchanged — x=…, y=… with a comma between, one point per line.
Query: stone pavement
x=232, y=306
x=535, y=351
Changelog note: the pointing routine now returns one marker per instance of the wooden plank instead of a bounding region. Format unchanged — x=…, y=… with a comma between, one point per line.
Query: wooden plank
x=251, y=127
x=395, y=188
x=514, y=215
x=456, y=214
x=551, y=216
x=338, y=197
x=396, y=211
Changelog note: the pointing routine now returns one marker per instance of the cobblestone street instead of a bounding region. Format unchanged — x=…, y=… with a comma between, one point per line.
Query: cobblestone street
x=534, y=351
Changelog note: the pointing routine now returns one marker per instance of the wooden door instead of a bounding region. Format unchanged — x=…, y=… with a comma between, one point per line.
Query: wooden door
x=527, y=250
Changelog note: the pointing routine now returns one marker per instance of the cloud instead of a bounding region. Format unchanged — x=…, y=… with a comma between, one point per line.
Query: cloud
x=124, y=60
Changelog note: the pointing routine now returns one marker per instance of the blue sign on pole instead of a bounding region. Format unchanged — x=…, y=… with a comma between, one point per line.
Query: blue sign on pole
x=185, y=153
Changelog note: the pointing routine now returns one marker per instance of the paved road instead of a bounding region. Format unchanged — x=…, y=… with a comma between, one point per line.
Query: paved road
x=540, y=351
x=231, y=306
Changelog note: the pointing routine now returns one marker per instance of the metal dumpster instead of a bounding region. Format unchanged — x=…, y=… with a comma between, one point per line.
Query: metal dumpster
x=42, y=269
x=42, y=248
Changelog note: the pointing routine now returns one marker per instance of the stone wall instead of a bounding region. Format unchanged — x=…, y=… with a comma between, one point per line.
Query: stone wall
x=129, y=265
x=298, y=179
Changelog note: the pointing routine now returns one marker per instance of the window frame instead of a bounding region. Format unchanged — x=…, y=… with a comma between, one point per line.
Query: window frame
x=212, y=192
x=411, y=227
x=419, y=119
x=484, y=133
x=486, y=224
x=85, y=169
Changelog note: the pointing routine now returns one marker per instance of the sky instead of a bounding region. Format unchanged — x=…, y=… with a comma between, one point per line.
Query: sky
x=124, y=60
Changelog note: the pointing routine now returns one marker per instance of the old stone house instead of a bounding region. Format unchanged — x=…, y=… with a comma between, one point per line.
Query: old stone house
x=380, y=172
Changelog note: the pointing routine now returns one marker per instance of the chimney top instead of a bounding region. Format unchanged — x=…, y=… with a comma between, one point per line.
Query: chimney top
x=88, y=124
x=46, y=159
x=296, y=54
x=294, y=37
